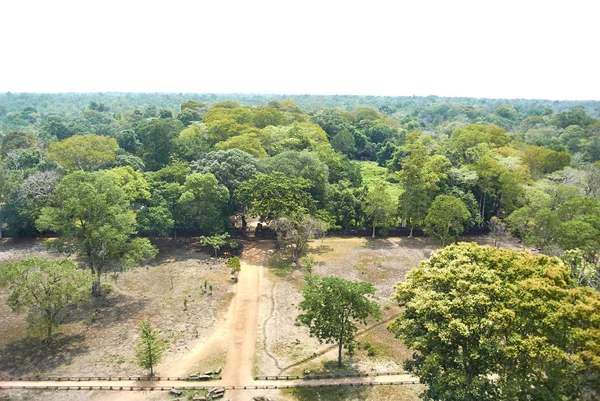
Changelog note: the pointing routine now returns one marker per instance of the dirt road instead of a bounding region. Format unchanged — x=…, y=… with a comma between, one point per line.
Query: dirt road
x=237, y=335
x=243, y=325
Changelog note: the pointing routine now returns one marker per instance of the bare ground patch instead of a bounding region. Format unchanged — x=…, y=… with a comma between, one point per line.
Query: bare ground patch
x=284, y=347
x=99, y=338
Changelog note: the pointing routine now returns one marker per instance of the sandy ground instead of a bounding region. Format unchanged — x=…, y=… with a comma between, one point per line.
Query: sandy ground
x=251, y=324
x=384, y=262
x=99, y=338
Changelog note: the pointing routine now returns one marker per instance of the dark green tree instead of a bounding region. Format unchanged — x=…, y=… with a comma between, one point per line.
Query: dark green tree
x=45, y=288
x=93, y=216
x=332, y=308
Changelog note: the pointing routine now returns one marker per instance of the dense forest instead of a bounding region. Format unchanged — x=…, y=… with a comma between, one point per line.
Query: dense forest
x=198, y=164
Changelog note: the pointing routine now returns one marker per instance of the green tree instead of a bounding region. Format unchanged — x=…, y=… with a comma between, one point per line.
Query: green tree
x=203, y=203
x=413, y=206
x=158, y=138
x=191, y=142
x=520, y=222
x=156, y=220
x=495, y=324
x=230, y=167
x=249, y=143
x=92, y=215
x=132, y=182
x=84, y=152
x=380, y=206
x=45, y=288
x=301, y=164
x=275, y=194
x=446, y=218
x=215, y=241
x=235, y=266
x=332, y=307
x=149, y=347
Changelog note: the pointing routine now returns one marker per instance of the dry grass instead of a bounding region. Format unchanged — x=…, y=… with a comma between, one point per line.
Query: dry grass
x=378, y=393
x=99, y=338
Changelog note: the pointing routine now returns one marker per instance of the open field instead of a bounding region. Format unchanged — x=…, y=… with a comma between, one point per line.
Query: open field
x=99, y=338
x=248, y=328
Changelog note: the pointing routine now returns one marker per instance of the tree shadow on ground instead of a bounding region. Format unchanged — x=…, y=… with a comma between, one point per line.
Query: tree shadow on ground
x=330, y=367
x=281, y=264
x=330, y=393
x=31, y=354
x=320, y=249
x=107, y=310
x=424, y=244
x=378, y=243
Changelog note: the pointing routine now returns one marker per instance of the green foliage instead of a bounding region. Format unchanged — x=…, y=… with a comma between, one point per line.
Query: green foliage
x=93, y=215
x=230, y=167
x=234, y=265
x=332, y=308
x=249, y=143
x=84, y=152
x=301, y=164
x=149, y=347
x=203, y=203
x=45, y=288
x=275, y=194
x=158, y=138
x=215, y=241
x=380, y=206
x=446, y=218
x=132, y=182
x=191, y=142
x=489, y=324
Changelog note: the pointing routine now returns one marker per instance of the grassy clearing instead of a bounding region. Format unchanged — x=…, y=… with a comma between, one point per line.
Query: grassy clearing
x=372, y=173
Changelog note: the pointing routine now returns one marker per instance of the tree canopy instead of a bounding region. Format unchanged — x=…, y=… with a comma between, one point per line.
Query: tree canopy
x=45, y=288
x=488, y=324
x=332, y=308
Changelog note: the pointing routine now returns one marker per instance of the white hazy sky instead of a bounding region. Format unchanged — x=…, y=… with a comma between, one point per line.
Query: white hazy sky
x=503, y=49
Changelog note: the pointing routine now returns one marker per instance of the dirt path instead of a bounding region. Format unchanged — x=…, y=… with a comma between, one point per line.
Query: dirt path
x=243, y=326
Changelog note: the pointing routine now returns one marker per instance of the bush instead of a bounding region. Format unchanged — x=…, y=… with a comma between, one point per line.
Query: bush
x=370, y=348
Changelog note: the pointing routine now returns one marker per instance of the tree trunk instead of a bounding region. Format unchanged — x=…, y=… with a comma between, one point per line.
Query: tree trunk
x=340, y=351
x=373, y=231
x=150, y=361
x=48, y=333
x=97, y=286
x=411, y=231
x=483, y=210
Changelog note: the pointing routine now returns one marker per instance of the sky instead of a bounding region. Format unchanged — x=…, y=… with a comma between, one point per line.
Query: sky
x=501, y=49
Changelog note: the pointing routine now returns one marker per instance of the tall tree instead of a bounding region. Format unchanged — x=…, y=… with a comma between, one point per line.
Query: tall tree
x=45, y=288
x=203, y=203
x=380, y=206
x=332, y=308
x=230, y=167
x=92, y=215
x=446, y=218
x=84, y=152
x=495, y=324
x=275, y=194
x=158, y=138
